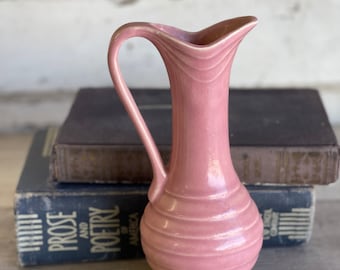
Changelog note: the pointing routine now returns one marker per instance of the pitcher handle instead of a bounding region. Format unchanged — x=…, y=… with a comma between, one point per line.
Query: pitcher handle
x=123, y=33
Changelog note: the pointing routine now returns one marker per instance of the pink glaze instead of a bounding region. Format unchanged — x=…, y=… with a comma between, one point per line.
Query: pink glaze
x=199, y=216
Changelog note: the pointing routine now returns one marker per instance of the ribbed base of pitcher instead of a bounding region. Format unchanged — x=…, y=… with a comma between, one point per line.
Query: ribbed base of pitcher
x=217, y=232
x=185, y=263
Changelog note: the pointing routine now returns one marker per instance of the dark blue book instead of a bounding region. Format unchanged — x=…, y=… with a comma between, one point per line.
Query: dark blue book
x=60, y=223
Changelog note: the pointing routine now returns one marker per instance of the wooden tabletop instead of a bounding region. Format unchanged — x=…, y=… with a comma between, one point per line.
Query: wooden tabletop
x=322, y=253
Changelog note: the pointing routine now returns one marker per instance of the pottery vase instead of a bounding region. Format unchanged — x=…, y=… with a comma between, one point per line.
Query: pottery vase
x=199, y=214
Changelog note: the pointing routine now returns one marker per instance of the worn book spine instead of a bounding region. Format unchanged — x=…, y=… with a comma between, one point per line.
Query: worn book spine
x=276, y=136
x=59, y=228
x=275, y=165
x=53, y=229
x=59, y=223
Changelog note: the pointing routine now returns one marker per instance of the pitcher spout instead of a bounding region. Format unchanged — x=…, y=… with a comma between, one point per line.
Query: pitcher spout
x=235, y=28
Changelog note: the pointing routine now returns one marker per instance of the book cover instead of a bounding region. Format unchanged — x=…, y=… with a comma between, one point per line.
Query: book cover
x=278, y=136
x=59, y=223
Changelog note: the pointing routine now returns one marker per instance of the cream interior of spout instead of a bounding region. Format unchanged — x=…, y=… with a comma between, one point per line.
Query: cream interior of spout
x=217, y=31
x=212, y=34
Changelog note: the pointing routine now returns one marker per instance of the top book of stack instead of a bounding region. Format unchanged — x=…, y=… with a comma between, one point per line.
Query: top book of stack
x=277, y=136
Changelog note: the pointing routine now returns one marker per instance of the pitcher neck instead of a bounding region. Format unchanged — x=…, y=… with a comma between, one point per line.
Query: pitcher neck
x=200, y=163
x=200, y=124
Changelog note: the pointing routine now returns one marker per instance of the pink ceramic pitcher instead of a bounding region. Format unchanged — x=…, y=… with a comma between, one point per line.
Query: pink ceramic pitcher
x=199, y=215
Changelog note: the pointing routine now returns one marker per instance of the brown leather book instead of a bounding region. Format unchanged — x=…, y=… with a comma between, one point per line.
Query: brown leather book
x=278, y=136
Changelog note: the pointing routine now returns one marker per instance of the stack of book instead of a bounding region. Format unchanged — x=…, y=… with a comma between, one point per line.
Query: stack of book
x=84, y=186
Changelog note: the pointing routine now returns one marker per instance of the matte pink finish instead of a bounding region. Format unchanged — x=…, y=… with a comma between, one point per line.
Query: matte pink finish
x=199, y=216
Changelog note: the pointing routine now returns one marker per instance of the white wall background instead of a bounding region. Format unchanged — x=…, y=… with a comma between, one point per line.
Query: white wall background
x=50, y=48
